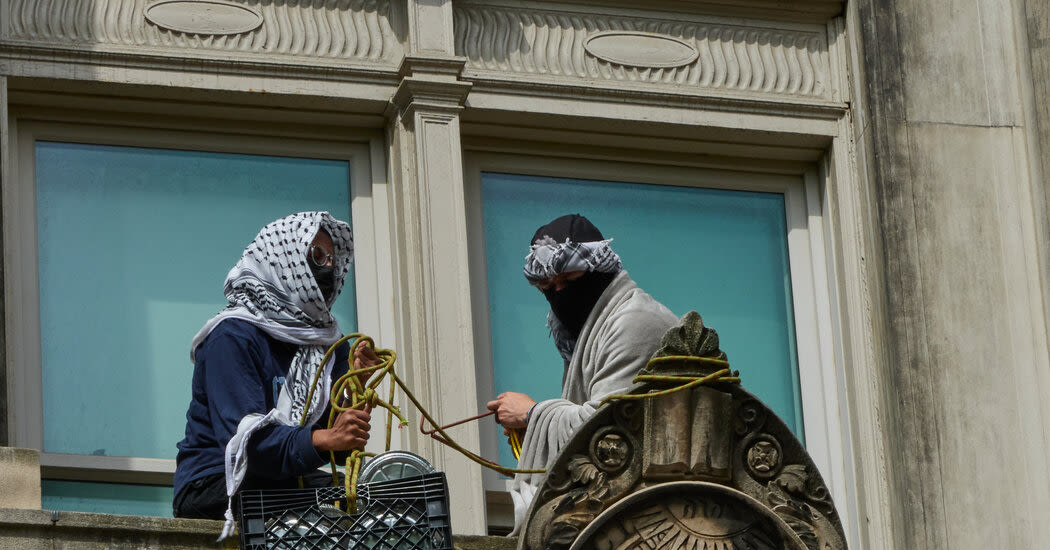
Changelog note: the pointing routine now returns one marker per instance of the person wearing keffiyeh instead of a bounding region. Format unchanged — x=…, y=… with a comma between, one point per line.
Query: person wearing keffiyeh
x=253, y=364
x=604, y=327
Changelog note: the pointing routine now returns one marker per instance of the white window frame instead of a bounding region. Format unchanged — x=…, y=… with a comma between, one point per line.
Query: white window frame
x=826, y=439
x=362, y=150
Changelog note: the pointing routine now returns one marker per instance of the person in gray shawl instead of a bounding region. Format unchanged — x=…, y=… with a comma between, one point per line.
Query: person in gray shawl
x=604, y=326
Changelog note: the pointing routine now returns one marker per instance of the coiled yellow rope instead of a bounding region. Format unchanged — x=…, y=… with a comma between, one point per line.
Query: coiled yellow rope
x=362, y=396
x=365, y=395
x=723, y=375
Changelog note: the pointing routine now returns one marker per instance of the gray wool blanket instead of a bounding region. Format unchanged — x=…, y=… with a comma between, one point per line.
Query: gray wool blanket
x=619, y=337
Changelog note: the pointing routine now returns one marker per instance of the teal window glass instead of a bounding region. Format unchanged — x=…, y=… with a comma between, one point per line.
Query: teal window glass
x=721, y=253
x=134, y=245
x=106, y=498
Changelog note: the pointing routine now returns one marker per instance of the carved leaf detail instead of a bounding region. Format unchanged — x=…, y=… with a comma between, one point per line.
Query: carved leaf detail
x=691, y=337
x=793, y=479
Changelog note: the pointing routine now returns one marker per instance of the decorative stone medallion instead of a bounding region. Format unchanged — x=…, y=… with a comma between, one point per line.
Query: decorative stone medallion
x=610, y=450
x=640, y=49
x=764, y=457
x=692, y=515
x=206, y=17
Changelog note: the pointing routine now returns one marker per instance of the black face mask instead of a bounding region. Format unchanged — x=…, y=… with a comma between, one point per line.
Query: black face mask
x=325, y=277
x=573, y=304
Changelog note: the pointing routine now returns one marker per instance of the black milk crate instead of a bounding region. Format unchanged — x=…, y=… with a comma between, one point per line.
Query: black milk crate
x=409, y=513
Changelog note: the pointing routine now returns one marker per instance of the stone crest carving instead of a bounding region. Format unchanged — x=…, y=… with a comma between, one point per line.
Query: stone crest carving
x=706, y=467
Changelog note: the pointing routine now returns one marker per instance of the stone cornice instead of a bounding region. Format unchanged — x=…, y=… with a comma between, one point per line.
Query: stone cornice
x=430, y=83
x=438, y=66
x=641, y=94
x=240, y=65
x=805, y=11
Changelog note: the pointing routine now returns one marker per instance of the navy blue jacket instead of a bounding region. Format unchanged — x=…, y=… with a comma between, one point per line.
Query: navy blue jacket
x=239, y=370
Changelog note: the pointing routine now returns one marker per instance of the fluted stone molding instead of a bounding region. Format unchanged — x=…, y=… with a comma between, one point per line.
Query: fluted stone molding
x=552, y=43
x=357, y=30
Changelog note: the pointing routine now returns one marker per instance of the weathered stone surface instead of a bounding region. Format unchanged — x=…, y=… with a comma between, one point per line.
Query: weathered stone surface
x=33, y=529
x=1038, y=16
x=704, y=466
x=40, y=530
x=955, y=204
x=968, y=83
x=464, y=542
x=19, y=478
x=5, y=171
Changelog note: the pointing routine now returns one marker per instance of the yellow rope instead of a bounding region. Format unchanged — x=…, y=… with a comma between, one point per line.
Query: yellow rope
x=515, y=439
x=722, y=375
x=366, y=396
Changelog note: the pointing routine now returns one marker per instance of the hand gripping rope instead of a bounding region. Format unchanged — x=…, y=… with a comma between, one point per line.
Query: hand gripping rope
x=364, y=395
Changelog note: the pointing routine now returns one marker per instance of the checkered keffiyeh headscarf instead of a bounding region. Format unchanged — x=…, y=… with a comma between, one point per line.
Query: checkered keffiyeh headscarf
x=569, y=243
x=273, y=288
x=549, y=258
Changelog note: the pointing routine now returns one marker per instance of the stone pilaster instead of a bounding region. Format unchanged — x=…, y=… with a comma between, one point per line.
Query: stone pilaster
x=435, y=336
x=965, y=413
x=5, y=179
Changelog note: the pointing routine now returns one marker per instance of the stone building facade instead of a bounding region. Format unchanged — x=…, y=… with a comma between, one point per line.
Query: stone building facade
x=915, y=135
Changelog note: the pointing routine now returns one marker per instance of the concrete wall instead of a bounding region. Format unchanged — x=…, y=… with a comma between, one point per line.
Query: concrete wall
x=961, y=209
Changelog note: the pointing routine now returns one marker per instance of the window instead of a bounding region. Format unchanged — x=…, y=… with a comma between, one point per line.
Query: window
x=134, y=234
x=720, y=252
x=735, y=246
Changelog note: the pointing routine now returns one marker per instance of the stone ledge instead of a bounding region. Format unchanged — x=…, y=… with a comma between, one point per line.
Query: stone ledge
x=19, y=478
x=35, y=530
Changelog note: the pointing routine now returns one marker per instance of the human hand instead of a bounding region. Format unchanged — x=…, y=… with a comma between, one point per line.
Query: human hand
x=348, y=432
x=364, y=357
x=511, y=409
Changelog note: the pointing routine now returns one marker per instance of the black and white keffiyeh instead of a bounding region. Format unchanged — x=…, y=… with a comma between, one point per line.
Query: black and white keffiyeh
x=582, y=249
x=549, y=257
x=273, y=288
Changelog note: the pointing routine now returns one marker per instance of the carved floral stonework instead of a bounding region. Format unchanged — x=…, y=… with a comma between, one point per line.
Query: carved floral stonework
x=763, y=457
x=611, y=451
x=332, y=29
x=706, y=467
x=593, y=46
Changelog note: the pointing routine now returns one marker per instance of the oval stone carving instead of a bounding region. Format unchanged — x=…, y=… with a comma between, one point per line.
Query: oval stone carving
x=211, y=17
x=640, y=49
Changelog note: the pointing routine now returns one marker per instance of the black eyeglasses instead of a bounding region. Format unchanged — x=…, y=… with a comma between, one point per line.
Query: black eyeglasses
x=320, y=257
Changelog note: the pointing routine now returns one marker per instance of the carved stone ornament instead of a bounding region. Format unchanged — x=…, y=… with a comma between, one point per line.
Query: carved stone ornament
x=689, y=515
x=611, y=450
x=210, y=17
x=763, y=457
x=691, y=53
x=334, y=30
x=706, y=467
x=640, y=49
